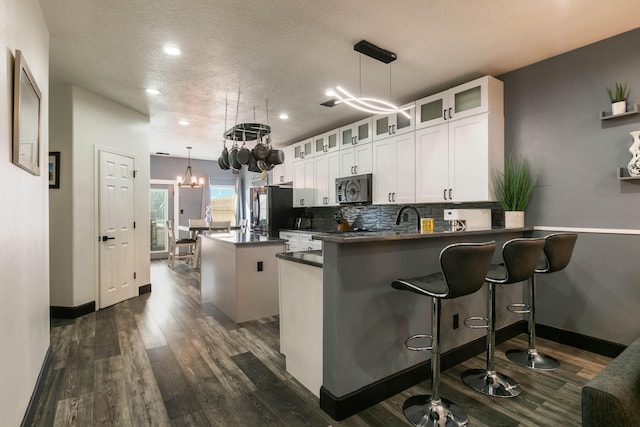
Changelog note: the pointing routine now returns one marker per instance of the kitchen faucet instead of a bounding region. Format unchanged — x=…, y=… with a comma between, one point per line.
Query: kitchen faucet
x=402, y=209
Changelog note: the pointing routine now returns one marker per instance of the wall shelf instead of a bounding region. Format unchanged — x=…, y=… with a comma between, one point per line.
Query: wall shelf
x=623, y=175
x=604, y=116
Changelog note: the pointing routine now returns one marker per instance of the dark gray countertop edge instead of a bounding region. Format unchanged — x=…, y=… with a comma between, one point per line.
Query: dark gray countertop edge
x=384, y=236
x=237, y=240
x=305, y=257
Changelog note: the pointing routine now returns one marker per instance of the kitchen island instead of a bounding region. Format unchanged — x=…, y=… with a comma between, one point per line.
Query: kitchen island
x=365, y=321
x=239, y=274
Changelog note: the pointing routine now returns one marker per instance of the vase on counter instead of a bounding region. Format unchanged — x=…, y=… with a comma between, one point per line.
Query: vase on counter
x=634, y=164
x=513, y=219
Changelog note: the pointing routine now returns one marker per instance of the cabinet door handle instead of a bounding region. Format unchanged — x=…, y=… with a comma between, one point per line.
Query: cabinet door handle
x=444, y=194
x=355, y=140
x=355, y=168
x=450, y=197
x=393, y=128
x=390, y=129
x=393, y=197
x=388, y=197
x=325, y=148
x=444, y=114
x=450, y=109
x=281, y=178
x=301, y=202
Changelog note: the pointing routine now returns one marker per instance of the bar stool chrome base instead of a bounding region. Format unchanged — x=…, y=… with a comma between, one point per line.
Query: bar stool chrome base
x=532, y=359
x=423, y=412
x=491, y=383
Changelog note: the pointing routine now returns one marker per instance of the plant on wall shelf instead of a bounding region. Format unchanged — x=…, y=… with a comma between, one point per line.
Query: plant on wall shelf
x=618, y=96
x=619, y=93
x=513, y=187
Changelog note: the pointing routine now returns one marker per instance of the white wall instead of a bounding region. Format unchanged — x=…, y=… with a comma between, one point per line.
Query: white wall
x=24, y=224
x=96, y=124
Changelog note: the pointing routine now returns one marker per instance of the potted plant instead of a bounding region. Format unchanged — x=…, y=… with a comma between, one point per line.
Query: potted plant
x=618, y=97
x=513, y=189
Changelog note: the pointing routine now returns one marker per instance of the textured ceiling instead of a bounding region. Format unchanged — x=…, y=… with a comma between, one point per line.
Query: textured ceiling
x=290, y=51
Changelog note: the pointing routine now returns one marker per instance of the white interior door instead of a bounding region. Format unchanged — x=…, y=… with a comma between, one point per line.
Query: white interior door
x=116, y=235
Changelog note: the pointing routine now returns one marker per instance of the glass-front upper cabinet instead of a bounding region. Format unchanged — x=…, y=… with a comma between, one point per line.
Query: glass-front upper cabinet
x=303, y=149
x=327, y=142
x=386, y=125
x=468, y=99
x=356, y=133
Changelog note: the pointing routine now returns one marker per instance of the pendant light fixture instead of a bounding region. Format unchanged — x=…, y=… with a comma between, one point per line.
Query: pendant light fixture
x=368, y=105
x=188, y=180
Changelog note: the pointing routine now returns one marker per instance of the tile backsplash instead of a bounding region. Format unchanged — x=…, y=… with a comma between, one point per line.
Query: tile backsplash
x=384, y=216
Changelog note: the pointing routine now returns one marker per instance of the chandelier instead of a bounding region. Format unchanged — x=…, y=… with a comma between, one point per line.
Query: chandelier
x=368, y=105
x=188, y=180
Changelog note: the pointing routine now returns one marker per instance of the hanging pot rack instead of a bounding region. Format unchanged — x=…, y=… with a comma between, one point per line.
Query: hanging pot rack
x=247, y=131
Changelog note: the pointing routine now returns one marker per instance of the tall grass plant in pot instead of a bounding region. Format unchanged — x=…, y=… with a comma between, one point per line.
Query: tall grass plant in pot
x=618, y=96
x=513, y=189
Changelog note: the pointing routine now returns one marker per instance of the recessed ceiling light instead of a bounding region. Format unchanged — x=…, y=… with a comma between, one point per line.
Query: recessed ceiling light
x=283, y=116
x=172, y=50
x=184, y=122
x=153, y=91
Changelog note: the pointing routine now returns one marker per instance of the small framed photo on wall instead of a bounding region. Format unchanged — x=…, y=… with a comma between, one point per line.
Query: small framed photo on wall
x=54, y=169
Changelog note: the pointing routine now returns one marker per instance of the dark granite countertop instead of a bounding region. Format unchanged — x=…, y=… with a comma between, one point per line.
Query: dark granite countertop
x=239, y=238
x=313, y=258
x=388, y=235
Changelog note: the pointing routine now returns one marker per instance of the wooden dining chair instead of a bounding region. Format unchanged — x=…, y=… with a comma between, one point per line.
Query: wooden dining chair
x=175, y=245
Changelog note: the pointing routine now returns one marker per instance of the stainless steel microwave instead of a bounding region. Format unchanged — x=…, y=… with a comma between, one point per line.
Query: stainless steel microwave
x=354, y=189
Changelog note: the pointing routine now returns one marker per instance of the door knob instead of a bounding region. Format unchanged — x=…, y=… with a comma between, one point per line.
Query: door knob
x=105, y=238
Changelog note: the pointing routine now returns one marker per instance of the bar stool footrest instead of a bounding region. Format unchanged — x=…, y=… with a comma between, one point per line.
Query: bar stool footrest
x=407, y=342
x=519, y=308
x=468, y=322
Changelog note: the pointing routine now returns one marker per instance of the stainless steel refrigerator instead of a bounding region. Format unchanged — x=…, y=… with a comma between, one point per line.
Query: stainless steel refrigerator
x=271, y=209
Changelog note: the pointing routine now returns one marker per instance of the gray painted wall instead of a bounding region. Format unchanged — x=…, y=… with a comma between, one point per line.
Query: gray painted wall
x=552, y=116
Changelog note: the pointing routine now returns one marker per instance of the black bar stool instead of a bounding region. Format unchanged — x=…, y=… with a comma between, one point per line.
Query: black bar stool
x=464, y=267
x=520, y=257
x=558, y=248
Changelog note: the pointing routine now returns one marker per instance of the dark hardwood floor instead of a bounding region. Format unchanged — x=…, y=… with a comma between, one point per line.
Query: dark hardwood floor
x=167, y=358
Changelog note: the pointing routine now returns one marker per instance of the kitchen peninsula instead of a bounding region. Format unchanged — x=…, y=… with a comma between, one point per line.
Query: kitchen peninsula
x=365, y=322
x=239, y=274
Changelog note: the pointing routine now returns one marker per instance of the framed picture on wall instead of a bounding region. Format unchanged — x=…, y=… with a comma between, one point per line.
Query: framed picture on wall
x=54, y=169
x=26, y=117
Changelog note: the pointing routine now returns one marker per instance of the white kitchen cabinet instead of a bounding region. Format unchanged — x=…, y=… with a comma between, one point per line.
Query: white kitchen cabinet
x=468, y=99
x=283, y=173
x=300, y=241
x=327, y=142
x=307, y=243
x=394, y=170
x=303, y=185
x=301, y=308
x=292, y=238
x=357, y=160
x=303, y=150
x=326, y=169
x=455, y=161
x=356, y=133
x=388, y=125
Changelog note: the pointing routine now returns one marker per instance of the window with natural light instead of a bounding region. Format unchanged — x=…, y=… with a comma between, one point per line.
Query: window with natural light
x=223, y=203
